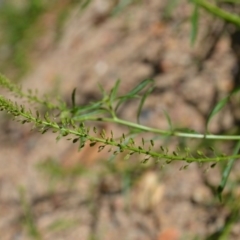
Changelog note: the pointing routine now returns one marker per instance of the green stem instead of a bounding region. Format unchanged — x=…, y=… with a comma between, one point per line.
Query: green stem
x=130, y=146
x=127, y=147
x=229, y=17
x=164, y=132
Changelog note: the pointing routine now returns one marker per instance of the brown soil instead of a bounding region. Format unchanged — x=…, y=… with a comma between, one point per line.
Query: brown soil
x=120, y=200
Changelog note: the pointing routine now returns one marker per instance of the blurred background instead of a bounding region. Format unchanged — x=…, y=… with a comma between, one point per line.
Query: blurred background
x=49, y=190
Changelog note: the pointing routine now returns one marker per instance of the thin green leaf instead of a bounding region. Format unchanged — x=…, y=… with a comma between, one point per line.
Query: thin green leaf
x=194, y=23
x=114, y=91
x=73, y=98
x=144, y=97
x=185, y=130
x=84, y=109
x=81, y=143
x=133, y=93
x=219, y=106
x=88, y=115
x=213, y=9
x=226, y=172
x=168, y=119
x=102, y=90
x=139, y=87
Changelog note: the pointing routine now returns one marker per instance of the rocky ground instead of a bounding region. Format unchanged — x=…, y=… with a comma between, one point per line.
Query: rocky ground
x=48, y=190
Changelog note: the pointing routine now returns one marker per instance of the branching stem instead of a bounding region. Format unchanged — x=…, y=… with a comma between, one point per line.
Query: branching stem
x=164, y=132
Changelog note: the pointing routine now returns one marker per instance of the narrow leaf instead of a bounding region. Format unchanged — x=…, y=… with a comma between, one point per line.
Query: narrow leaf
x=86, y=116
x=219, y=12
x=81, y=143
x=144, y=97
x=133, y=93
x=102, y=90
x=226, y=172
x=73, y=98
x=114, y=91
x=46, y=117
x=139, y=87
x=185, y=130
x=219, y=106
x=168, y=119
x=90, y=108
